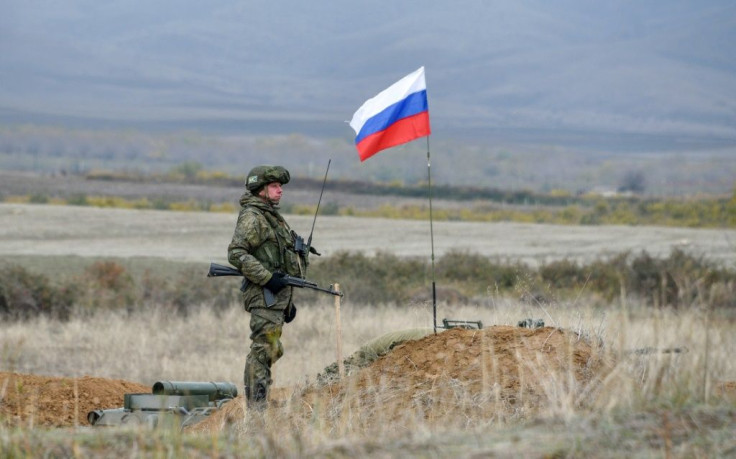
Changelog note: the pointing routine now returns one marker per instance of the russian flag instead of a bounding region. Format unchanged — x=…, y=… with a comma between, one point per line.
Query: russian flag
x=397, y=115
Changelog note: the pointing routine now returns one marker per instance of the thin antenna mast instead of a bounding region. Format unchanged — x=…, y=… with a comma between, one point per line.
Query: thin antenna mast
x=431, y=235
x=324, y=182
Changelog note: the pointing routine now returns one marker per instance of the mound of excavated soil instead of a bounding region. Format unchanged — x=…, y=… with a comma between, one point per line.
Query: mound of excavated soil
x=498, y=368
x=30, y=400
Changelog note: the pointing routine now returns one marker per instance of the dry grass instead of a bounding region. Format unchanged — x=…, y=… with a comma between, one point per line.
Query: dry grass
x=660, y=403
x=203, y=346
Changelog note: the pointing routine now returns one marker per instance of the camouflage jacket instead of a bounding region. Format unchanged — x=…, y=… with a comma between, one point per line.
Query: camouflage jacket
x=263, y=243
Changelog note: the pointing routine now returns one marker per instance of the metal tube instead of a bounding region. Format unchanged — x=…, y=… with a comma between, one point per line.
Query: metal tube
x=214, y=390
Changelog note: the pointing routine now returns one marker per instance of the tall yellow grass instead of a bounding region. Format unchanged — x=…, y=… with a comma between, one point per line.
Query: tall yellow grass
x=666, y=361
x=145, y=347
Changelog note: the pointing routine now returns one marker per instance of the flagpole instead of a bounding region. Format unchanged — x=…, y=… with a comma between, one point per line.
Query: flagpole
x=431, y=236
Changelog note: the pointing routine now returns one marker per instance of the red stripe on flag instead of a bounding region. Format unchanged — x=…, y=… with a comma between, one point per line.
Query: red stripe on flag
x=402, y=131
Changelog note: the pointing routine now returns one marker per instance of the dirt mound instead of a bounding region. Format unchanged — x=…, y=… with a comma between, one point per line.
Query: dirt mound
x=498, y=370
x=30, y=400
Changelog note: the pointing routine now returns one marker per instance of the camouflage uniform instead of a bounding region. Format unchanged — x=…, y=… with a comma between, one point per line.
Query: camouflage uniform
x=262, y=244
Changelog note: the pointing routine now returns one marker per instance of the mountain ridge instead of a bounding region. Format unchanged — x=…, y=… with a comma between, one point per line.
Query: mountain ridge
x=657, y=69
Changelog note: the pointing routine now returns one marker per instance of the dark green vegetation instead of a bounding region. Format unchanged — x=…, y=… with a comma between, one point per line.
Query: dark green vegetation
x=106, y=284
x=680, y=280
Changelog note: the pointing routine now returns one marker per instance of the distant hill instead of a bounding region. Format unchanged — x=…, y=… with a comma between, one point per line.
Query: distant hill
x=632, y=75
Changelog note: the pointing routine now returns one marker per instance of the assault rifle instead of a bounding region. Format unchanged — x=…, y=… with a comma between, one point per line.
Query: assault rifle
x=217, y=270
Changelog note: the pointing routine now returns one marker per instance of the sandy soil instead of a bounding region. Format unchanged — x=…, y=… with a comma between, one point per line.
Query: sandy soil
x=203, y=237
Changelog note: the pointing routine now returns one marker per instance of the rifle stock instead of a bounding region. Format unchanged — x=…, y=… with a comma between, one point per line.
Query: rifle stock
x=217, y=270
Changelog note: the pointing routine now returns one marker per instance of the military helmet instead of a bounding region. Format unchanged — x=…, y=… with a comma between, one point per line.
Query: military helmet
x=260, y=176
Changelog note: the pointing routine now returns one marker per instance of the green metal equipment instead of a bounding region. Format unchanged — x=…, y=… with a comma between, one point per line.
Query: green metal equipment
x=181, y=403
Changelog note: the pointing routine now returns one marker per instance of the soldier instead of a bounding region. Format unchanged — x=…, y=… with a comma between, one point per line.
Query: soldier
x=263, y=250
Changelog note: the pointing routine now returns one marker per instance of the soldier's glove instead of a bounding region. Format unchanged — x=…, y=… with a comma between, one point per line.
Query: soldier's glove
x=290, y=313
x=277, y=282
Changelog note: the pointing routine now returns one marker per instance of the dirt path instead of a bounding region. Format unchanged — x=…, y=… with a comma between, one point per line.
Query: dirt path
x=199, y=236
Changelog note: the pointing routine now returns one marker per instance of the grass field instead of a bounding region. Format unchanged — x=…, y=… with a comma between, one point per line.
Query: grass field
x=652, y=404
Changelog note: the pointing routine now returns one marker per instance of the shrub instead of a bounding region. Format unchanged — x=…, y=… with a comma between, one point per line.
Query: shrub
x=24, y=295
x=463, y=266
x=109, y=275
x=563, y=274
x=160, y=204
x=379, y=279
x=694, y=279
x=78, y=200
x=187, y=291
x=478, y=272
x=191, y=290
x=607, y=276
x=38, y=198
x=330, y=208
x=106, y=285
x=681, y=279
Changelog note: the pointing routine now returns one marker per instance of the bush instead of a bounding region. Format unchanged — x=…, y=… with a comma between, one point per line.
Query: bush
x=563, y=274
x=680, y=280
x=608, y=276
x=188, y=291
x=106, y=285
x=650, y=280
x=477, y=270
x=380, y=279
x=78, y=200
x=24, y=295
x=38, y=198
x=463, y=266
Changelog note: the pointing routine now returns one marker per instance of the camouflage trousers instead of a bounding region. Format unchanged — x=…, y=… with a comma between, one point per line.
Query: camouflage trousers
x=265, y=350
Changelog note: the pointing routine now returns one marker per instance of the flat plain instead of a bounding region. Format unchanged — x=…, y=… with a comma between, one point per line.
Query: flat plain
x=35, y=229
